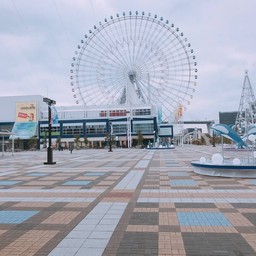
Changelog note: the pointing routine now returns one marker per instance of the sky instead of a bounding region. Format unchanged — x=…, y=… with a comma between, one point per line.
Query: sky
x=38, y=40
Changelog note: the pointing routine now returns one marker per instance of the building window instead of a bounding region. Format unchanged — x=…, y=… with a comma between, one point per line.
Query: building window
x=143, y=127
x=141, y=112
x=117, y=112
x=95, y=129
x=119, y=128
x=44, y=130
x=73, y=130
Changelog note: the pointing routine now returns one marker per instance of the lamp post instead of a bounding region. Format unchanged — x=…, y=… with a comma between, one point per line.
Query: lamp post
x=110, y=137
x=49, y=149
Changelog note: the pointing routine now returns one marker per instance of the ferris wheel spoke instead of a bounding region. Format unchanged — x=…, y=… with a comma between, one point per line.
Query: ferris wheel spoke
x=173, y=48
x=179, y=93
x=115, y=45
x=143, y=87
x=154, y=35
x=141, y=39
x=119, y=46
x=134, y=40
x=105, y=50
x=127, y=39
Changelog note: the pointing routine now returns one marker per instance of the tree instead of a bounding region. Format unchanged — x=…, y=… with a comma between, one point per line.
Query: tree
x=86, y=141
x=77, y=141
x=140, y=138
x=32, y=143
x=58, y=142
x=17, y=143
x=45, y=140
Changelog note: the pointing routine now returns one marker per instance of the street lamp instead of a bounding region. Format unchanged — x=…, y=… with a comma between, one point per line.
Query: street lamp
x=110, y=137
x=49, y=149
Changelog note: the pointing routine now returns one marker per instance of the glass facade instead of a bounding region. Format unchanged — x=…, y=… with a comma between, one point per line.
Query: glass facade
x=44, y=130
x=119, y=129
x=143, y=127
x=98, y=128
x=141, y=112
x=72, y=130
x=95, y=129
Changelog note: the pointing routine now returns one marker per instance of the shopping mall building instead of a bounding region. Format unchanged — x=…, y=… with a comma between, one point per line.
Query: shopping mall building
x=25, y=117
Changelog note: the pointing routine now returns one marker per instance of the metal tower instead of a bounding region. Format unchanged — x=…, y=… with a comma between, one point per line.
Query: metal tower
x=246, y=115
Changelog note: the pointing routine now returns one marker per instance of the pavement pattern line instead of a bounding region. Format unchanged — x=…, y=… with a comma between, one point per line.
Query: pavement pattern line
x=163, y=215
x=130, y=181
x=92, y=234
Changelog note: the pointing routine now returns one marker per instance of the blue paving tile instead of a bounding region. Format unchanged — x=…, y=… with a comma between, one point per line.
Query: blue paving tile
x=8, y=182
x=253, y=182
x=37, y=174
x=203, y=219
x=95, y=174
x=15, y=217
x=77, y=182
x=177, y=174
x=183, y=183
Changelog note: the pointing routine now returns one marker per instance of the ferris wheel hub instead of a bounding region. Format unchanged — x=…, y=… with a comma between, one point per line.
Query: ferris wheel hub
x=132, y=76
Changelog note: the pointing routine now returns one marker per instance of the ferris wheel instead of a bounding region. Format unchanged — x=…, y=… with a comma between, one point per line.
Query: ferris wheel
x=134, y=59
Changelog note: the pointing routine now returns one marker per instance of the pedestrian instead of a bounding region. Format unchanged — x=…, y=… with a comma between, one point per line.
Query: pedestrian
x=71, y=148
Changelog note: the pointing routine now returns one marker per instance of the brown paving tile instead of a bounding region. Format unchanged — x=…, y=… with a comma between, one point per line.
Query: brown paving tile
x=106, y=183
x=238, y=220
x=142, y=228
x=168, y=218
x=145, y=210
x=33, y=204
x=166, y=205
x=197, y=210
x=122, y=194
x=40, y=183
x=30, y=187
x=116, y=199
x=244, y=210
x=171, y=243
x=64, y=217
x=251, y=240
x=29, y=243
x=86, y=178
x=25, y=178
x=2, y=231
x=77, y=205
x=113, y=178
x=208, y=229
x=49, y=178
x=100, y=187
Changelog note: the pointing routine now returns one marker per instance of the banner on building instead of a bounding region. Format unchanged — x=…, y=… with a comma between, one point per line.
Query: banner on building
x=55, y=117
x=26, y=112
x=23, y=130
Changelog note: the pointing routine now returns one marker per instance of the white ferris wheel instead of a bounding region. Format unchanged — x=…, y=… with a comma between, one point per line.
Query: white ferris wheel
x=134, y=59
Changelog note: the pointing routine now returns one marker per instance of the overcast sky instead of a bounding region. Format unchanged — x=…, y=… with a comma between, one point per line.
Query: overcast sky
x=38, y=39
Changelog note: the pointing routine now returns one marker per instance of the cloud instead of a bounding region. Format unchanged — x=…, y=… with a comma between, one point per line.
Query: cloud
x=39, y=38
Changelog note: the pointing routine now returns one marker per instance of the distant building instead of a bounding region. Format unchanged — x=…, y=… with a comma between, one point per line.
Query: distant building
x=27, y=117
x=189, y=126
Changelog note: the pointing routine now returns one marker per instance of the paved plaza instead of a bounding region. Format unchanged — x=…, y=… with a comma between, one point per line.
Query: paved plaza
x=125, y=202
